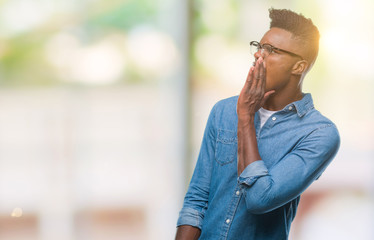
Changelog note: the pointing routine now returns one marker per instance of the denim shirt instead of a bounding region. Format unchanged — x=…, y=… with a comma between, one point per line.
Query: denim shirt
x=295, y=144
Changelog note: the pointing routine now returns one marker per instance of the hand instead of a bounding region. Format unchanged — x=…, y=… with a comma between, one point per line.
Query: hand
x=253, y=96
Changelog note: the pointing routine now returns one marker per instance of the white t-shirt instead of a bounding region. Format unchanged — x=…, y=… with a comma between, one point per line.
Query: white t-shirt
x=264, y=115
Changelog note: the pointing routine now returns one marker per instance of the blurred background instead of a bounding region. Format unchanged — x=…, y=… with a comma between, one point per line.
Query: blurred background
x=103, y=104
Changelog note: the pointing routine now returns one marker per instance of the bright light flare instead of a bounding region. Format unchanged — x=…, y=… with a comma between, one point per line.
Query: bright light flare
x=17, y=212
x=346, y=40
x=102, y=62
x=151, y=51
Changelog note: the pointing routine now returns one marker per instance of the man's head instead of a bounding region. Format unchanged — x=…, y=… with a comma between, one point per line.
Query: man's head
x=302, y=29
x=289, y=49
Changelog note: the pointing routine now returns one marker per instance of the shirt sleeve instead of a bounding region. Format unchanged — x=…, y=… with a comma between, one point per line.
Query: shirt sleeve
x=267, y=189
x=252, y=172
x=196, y=199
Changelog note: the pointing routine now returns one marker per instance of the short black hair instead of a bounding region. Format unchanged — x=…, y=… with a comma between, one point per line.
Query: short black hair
x=302, y=28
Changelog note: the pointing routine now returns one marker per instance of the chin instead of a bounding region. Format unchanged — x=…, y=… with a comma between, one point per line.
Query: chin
x=268, y=88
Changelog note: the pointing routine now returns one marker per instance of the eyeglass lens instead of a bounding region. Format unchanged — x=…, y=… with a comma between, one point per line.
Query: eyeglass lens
x=264, y=49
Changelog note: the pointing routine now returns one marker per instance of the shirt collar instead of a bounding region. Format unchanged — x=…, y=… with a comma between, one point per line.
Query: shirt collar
x=304, y=105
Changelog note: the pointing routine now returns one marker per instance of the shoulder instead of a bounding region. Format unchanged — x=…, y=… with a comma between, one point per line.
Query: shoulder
x=227, y=104
x=224, y=112
x=310, y=116
x=228, y=101
x=319, y=120
x=323, y=128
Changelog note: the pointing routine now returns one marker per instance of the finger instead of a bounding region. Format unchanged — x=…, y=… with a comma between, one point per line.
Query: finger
x=250, y=73
x=262, y=82
x=248, y=81
x=257, y=73
x=250, y=78
x=268, y=93
x=266, y=96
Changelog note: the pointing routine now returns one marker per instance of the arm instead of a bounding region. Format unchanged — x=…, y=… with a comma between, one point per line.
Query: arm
x=187, y=232
x=288, y=178
x=267, y=189
x=251, y=98
x=196, y=200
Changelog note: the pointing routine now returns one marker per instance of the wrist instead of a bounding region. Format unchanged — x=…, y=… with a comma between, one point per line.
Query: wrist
x=246, y=120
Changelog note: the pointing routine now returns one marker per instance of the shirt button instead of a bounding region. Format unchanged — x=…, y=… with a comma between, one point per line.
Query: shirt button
x=237, y=193
x=227, y=220
x=273, y=118
x=290, y=108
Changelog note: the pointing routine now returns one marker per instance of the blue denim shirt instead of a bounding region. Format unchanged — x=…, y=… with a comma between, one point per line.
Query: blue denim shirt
x=296, y=144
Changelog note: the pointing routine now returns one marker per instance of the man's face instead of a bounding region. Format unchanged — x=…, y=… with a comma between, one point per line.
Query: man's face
x=279, y=64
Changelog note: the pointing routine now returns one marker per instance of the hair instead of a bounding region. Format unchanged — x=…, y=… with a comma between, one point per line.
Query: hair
x=302, y=29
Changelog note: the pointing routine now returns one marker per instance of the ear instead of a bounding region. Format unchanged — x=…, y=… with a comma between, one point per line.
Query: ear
x=299, y=67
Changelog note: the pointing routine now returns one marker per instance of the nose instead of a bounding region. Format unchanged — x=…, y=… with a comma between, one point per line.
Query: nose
x=259, y=54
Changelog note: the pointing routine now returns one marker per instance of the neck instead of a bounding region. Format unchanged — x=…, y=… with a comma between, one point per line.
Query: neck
x=278, y=101
x=289, y=93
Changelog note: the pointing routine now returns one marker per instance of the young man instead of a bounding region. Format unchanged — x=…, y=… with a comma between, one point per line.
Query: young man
x=261, y=150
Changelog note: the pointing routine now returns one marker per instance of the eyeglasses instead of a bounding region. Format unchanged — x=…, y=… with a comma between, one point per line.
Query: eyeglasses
x=267, y=49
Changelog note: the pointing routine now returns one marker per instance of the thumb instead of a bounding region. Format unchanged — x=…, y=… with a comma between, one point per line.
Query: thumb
x=267, y=95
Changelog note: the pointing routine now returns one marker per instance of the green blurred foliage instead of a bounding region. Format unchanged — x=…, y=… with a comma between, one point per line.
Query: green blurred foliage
x=226, y=24
x=124, y=16
x=23, y=63
x=22, y=55
x=225, y=13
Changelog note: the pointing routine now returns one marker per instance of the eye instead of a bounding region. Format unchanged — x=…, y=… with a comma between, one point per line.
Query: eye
x=268, y=48
x=275, y=51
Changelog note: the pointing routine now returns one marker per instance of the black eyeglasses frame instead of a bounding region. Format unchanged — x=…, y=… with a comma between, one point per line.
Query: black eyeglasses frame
x=257, y=44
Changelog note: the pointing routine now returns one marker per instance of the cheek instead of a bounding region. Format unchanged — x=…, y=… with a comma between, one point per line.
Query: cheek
x=271, y=74
x=269, y=79
x=275, y=75
x=276, y=70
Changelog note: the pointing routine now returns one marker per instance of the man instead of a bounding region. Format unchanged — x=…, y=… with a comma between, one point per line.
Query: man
x=261, y=150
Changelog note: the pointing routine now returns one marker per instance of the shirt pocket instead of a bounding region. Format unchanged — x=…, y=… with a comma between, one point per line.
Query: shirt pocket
x=226, y=149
